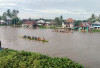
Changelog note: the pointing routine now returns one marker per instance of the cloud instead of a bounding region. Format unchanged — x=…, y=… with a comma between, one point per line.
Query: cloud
x=51, y=8
x=7, y=4
x=58, y=11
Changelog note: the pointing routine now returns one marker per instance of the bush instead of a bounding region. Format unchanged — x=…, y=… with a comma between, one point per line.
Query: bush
x=22, y=59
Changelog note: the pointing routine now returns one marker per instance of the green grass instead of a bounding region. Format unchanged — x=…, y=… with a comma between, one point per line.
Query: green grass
x=2, y=24
x=21, y=59
x=44, y=27
x=96, y=30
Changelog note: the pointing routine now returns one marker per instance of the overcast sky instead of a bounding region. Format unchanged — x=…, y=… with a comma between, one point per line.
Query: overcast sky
x=76, y=9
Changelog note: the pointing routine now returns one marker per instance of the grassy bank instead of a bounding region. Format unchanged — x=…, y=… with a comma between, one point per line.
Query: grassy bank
x=44, y=27
x=96, y=30
x=22, y=59
x=2, y=24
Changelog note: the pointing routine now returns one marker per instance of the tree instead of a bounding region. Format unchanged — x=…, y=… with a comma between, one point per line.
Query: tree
x=4, y=17
x=0, y=17
x=77, y=22
x=57, y=20
x=30, y=19
x=61, y=20
x=92, y=19
x=99, y=17
x=9, y=14
x=16, y=21
x=14, y=13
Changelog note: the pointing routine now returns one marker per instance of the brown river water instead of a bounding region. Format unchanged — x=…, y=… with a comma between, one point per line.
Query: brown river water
x=82, y=47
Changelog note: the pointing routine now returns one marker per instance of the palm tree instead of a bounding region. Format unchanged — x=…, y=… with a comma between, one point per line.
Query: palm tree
x=15, y=13
x=9, y=13
x=93, y=17
x=4, y=17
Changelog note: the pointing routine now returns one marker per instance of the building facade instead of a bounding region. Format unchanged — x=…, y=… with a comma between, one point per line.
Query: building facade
x=69, y=23
x=96, y=25
x=29, y=24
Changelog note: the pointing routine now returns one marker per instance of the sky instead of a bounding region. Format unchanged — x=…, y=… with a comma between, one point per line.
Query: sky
x=49, y=9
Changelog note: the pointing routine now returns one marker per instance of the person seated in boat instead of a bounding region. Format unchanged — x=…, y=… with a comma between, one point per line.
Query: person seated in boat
x=35, y=38
x=29, y=37
x=25, y=36
x=39, y=38
x=43, y=39
x=32, y=37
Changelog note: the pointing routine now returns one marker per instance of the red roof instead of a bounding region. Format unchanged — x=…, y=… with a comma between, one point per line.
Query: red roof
x=70, y=20
x=30, y=22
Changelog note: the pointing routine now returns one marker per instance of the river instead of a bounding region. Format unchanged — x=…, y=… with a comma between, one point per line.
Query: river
x=82, y=47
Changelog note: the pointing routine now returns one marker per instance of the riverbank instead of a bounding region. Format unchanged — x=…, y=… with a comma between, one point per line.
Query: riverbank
x=44, y=27
x=96, y=30
x=23, y=59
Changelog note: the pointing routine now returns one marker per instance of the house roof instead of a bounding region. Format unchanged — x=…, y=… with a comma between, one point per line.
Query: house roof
x=29, y=22
x=25, y=20
x=97, y=22
x=41, y=21
x=85, y=24
x=70, y=20
x=2, y=21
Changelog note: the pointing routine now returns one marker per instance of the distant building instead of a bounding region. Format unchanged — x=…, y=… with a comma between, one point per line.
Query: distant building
x=8, y=21
x=43, y=23
x=47, y=23
x=40, y=22
x=25, y=20
x=69, y=23
x=2, y=22
x=96, y=25
x=85, y=26
x=29, y=24
x=63, y=25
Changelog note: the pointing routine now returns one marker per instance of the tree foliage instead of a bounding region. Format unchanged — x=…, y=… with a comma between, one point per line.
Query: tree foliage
x=59, y=20
x=92, y=19
x=13, y=15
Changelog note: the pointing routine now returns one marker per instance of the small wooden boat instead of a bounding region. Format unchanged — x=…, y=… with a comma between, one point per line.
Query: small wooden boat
x=34, y=39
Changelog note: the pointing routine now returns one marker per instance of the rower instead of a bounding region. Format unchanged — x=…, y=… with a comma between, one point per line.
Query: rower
x=35, y=38
x=39, y=38
x=25, y=36
x=29, y=37
x=43, y=39
x=32, y=37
